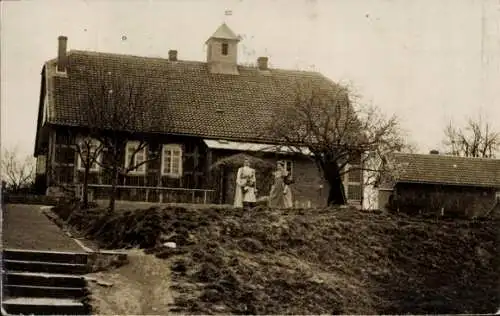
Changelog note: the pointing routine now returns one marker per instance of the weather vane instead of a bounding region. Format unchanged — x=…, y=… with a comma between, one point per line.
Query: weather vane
x=226, y=14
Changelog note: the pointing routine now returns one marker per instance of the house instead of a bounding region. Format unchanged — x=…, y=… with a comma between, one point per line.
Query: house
x=216, y=108
x=449, y=185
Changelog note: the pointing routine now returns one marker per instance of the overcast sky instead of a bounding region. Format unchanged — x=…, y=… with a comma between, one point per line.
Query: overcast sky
x=427, y=61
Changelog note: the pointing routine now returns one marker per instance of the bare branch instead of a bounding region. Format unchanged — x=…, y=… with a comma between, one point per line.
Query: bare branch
x=116, y=108
x=337, y=131
x=476, y=139
x=17, y=171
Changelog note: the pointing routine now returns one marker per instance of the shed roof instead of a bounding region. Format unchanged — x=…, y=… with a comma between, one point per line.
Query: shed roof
x=444, y=169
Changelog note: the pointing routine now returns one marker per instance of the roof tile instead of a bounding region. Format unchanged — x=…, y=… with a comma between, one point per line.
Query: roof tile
x=430, y=168
x=194, y=101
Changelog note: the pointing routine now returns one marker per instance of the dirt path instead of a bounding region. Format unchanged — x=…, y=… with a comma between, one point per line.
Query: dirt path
x=142, y=287
x=26, y=227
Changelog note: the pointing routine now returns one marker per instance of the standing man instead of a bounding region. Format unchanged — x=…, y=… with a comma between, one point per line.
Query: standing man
x=246, y=189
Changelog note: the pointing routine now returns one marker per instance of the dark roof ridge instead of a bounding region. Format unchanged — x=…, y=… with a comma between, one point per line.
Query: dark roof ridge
x=99, y=53
x=164, y=59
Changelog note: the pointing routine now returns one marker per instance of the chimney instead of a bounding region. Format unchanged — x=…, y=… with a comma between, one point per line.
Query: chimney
x=434, y=152
x=62, y=56
x=172, y=55
x=262, y=63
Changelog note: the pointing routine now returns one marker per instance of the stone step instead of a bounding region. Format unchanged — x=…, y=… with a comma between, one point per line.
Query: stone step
x=43, y=306
x=43, y=291
x=47, y=256
x=43, y=266
x=43, y=279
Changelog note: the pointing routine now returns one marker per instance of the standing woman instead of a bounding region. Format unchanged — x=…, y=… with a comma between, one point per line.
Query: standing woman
x=245, y=192
x=280, y=195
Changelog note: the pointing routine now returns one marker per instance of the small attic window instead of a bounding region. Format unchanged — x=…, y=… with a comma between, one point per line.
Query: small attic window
x=225, y=49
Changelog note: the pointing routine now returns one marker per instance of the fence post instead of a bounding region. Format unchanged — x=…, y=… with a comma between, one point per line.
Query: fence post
x=192, y=197
x=147, y=195
x=204, y=197
x=161, y=197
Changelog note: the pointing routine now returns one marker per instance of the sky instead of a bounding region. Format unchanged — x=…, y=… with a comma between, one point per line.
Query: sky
x=428, y=62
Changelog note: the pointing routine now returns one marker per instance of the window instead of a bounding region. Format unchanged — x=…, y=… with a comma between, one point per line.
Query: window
x=225, y=49
x=354, y=192
x=354, y=175
x=289, y=167
x=65, y=154
x=353, y=181
x=133, y=160
x=356, y=160
x=90, y=147
x=171, y=161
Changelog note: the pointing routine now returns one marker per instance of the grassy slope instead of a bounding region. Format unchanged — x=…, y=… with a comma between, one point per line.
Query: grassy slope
x=312, y=261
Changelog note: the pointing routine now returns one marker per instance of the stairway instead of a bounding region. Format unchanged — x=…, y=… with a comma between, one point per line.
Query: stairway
x=43, y=282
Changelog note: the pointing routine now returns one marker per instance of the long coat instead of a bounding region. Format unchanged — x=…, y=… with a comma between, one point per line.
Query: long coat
x=281, y=194
x=245, y=190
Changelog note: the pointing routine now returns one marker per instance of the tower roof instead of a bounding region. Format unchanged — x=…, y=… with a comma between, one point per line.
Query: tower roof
x=224, y=32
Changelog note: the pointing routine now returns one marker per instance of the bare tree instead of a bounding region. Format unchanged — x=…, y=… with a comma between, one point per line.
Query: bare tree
x=89, y=153
x=118, y=107
x=476, y=139
x=17, y=171
x=383, y=172
x=338, y=132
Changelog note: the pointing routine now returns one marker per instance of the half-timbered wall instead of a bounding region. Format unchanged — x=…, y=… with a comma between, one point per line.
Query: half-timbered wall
x=309, y=189
x=63, y=164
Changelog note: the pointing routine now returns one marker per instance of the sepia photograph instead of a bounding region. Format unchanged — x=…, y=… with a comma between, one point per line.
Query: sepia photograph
x=255, y=157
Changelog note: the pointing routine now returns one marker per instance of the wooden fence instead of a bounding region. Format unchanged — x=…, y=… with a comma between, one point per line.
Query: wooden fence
x=151, y=194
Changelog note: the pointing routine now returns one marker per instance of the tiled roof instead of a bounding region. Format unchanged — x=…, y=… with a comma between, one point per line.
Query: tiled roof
x=194, y=101
x=442, y=169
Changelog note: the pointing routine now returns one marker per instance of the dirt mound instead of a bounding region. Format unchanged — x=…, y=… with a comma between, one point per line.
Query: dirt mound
x=312, y=261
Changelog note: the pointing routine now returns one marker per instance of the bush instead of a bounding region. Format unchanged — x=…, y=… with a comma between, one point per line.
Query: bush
x=65, y=208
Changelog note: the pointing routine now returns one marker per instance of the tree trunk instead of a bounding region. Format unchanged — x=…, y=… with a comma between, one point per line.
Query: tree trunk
x=112, y=195
x=85, y=188
x=336, y=194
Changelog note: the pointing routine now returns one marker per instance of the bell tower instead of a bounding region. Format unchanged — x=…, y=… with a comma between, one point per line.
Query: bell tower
x=222, y=51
